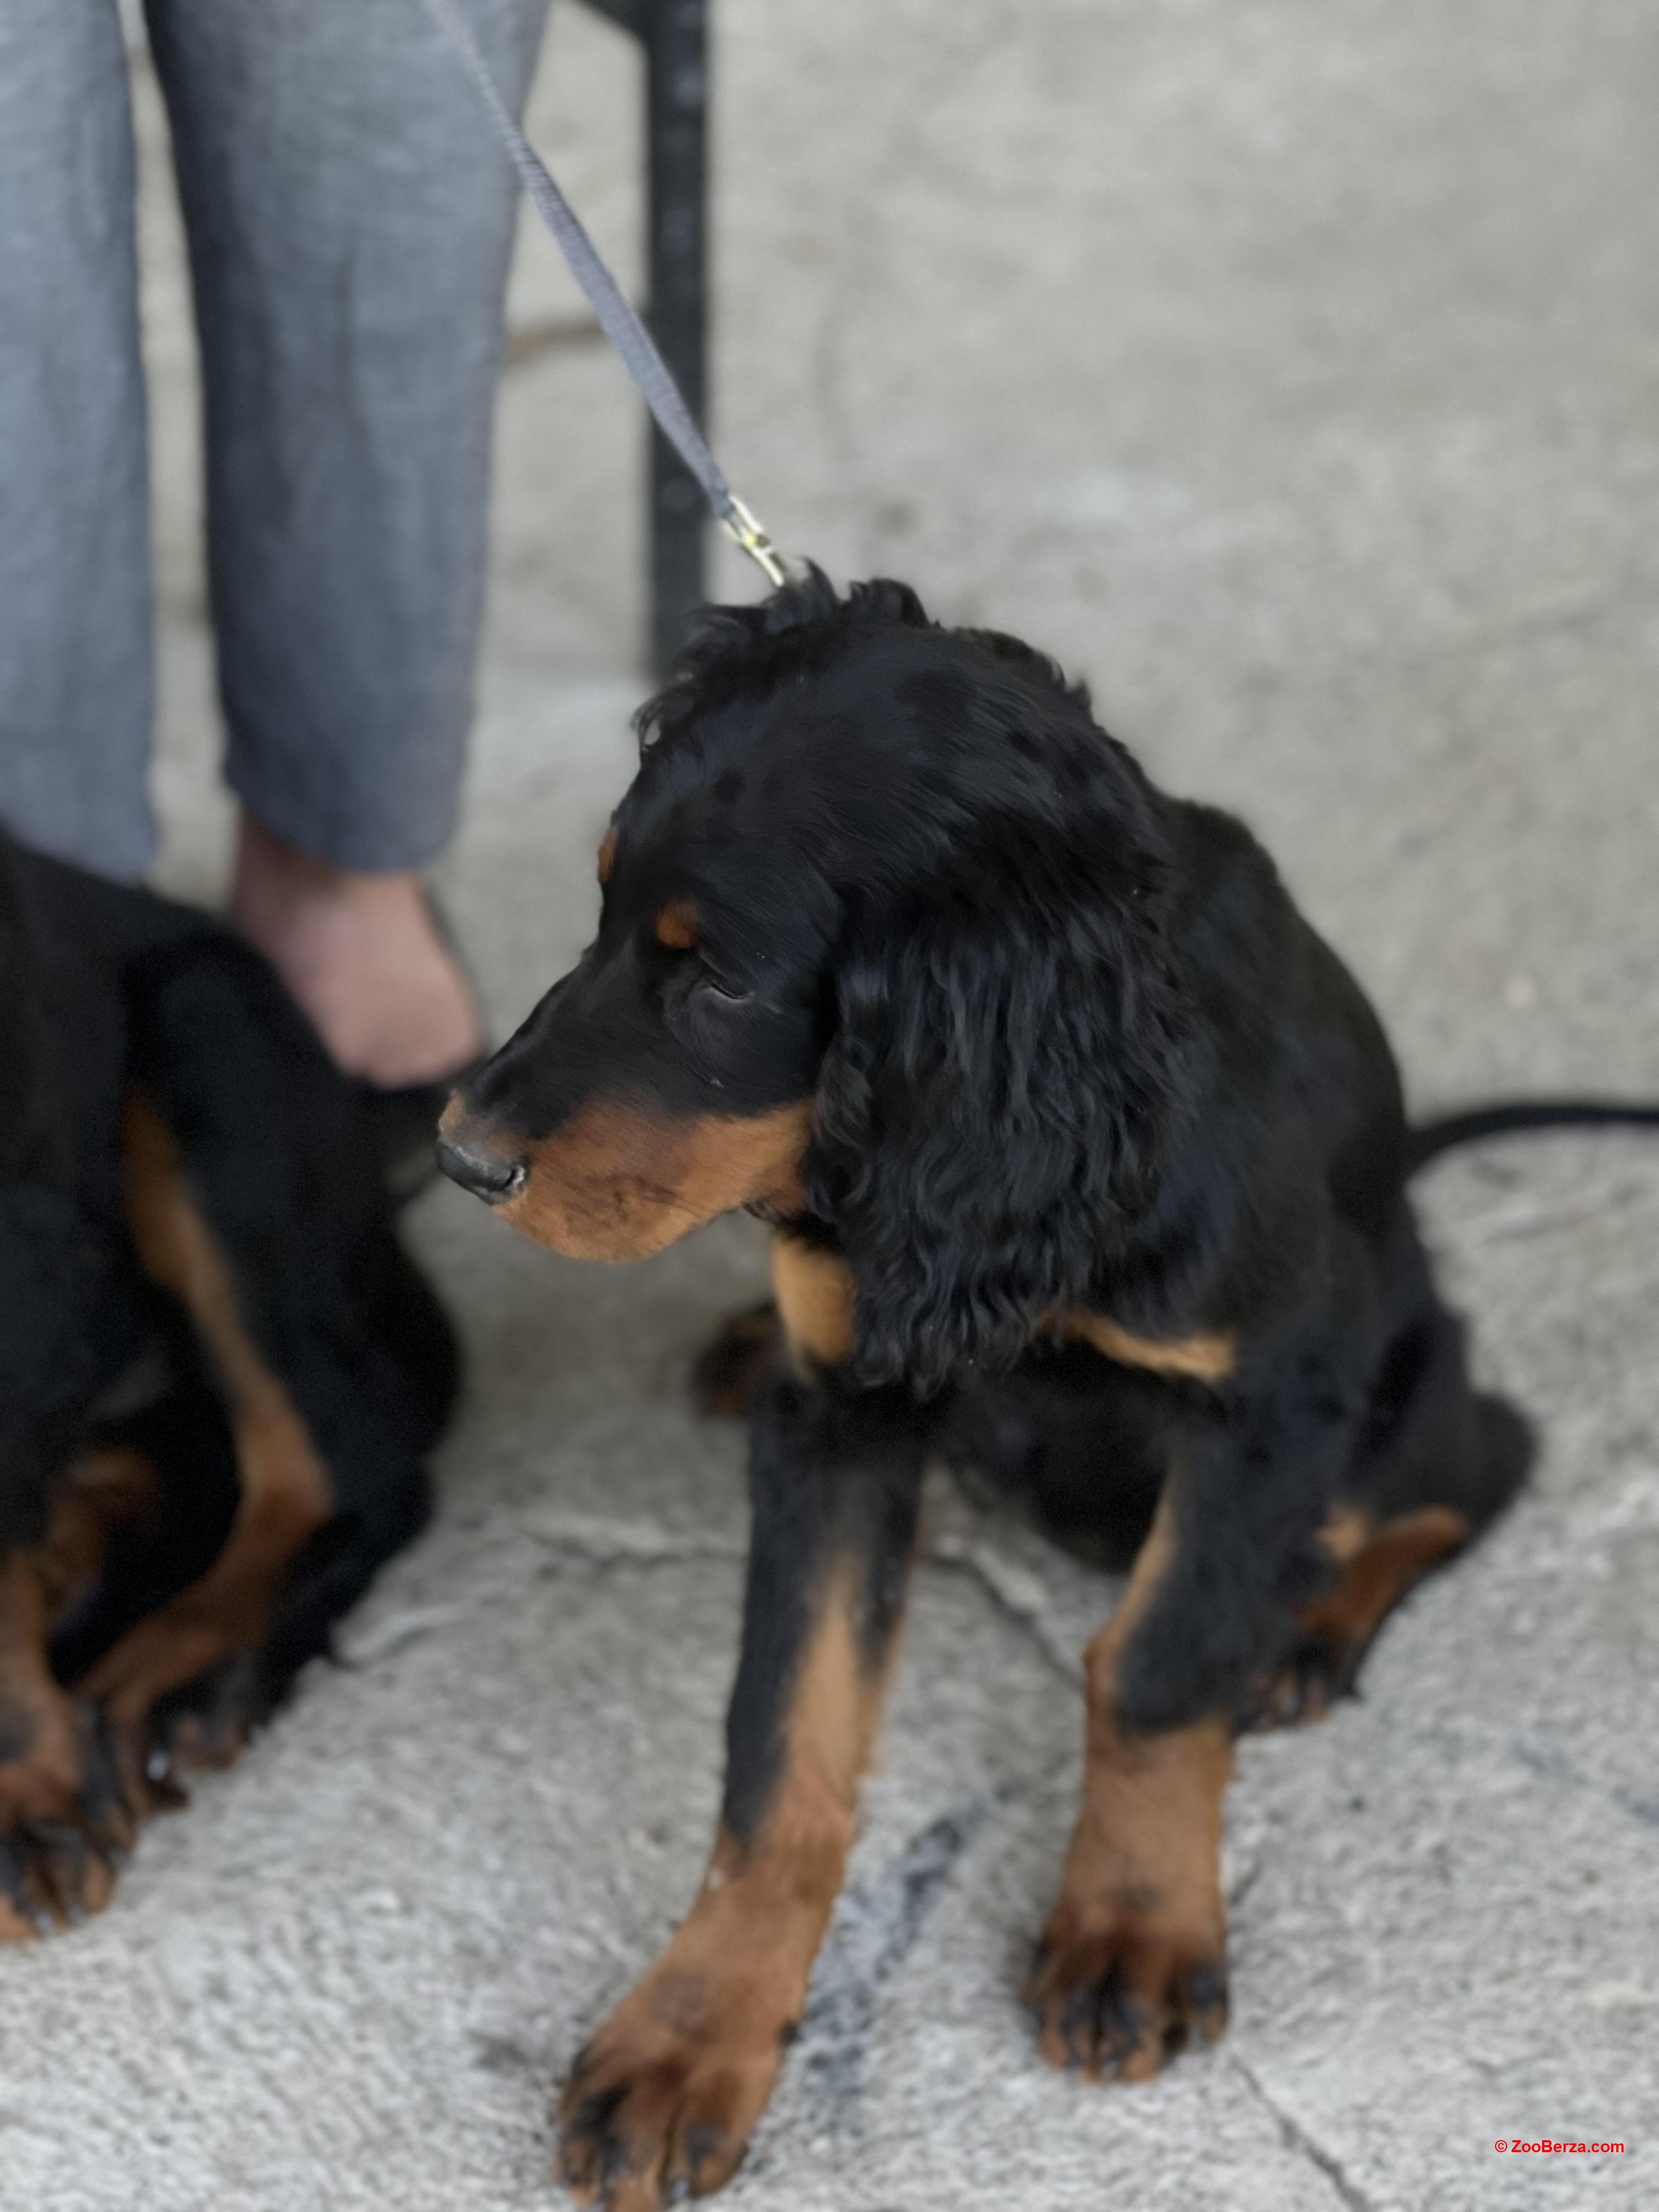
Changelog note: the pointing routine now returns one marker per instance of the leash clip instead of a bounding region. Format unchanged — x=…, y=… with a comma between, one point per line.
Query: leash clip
x=743, y=529
x=617, y=318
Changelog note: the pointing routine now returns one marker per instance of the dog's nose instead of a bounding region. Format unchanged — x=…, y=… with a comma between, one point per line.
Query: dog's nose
x=483, y=1173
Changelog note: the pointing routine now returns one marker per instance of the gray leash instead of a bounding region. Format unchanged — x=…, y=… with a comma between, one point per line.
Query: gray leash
x=616, y=317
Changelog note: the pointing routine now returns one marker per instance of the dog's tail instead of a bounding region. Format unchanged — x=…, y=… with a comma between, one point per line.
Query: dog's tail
x=1504, y=1116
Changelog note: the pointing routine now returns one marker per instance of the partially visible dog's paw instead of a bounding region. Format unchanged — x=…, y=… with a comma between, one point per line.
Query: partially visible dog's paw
x=1318, y=1672
x=732, y=1368
x=65, y=1825
x=177, y=1691
x=206, y=1723
x=1336, y=1629
x=1117, y=1997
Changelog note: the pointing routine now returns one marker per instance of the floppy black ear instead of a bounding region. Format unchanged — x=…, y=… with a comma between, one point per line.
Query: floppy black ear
x=994, y=1100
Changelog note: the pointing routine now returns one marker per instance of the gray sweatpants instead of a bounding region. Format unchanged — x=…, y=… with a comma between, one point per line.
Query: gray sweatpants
x=349, y=226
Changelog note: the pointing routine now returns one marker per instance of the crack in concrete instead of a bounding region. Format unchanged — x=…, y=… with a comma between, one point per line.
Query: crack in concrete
x=601, y=1541
x=1544, y=1217
x=597, y=1540
x=1016, y=1593
x=1553, y=1765
x=1296, y=2137
x=876, y=1926
x=367, y=1645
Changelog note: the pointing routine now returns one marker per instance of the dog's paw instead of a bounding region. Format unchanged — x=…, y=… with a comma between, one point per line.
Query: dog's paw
x=205, y=1723
x=1118, y=1996
x=732, y=1369
x=65, y=1824
x=1334, y=1630
x=1318, y=1674
x=202, y=1725
x=663, y=2100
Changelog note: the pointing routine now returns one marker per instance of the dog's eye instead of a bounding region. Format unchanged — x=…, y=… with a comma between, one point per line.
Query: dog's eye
x=713, y=986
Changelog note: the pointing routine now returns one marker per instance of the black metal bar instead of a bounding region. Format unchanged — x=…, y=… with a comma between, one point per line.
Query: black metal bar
x=674, y=34
x=677, y=112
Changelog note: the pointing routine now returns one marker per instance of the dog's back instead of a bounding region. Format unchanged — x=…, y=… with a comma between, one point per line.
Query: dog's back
x=65, y=1282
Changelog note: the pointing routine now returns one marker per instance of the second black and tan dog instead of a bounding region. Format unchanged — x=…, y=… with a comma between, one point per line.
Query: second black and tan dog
x=1087, y=1164
x=219, y=1372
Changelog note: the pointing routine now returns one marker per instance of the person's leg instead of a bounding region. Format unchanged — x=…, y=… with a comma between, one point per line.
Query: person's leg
x=350, y=223
x=75, y=655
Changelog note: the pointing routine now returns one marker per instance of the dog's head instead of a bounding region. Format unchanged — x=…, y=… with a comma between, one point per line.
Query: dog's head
x=883, y=943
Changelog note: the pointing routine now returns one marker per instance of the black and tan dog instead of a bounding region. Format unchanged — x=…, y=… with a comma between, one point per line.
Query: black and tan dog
x=1087, y=1166
x=219, y=1373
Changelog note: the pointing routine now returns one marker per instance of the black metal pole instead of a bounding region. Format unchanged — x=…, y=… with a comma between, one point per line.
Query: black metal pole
x=674, y=33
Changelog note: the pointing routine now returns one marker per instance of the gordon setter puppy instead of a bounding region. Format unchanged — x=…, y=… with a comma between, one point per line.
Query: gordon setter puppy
x=219, y=1373
x=1086, y=1163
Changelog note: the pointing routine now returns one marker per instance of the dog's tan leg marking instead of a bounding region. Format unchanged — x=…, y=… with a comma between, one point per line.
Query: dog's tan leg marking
x=670, y=2088
x=815, y=1299
x=285, y=1492
x=1207, y=1357
x=1378, y=1566
x=1377, y=1574
x=1133, y=1959
x=98, y=1491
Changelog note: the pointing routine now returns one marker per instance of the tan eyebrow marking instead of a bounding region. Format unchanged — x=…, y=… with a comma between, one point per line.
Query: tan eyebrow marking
x=608, y=854
x=676, y=925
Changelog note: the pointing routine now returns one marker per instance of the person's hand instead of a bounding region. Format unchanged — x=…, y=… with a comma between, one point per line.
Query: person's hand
x=363, y=957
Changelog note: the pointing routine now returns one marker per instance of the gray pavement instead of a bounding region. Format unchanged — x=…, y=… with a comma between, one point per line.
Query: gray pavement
x=1292, y=371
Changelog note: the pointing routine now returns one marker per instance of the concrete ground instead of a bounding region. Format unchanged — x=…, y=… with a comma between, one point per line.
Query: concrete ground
x=1292, y=370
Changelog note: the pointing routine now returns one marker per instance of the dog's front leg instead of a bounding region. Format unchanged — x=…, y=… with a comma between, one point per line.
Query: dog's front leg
x=1133, y=1962
x=669, y=2089
x=1134, y=1955
x=207, y=1637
